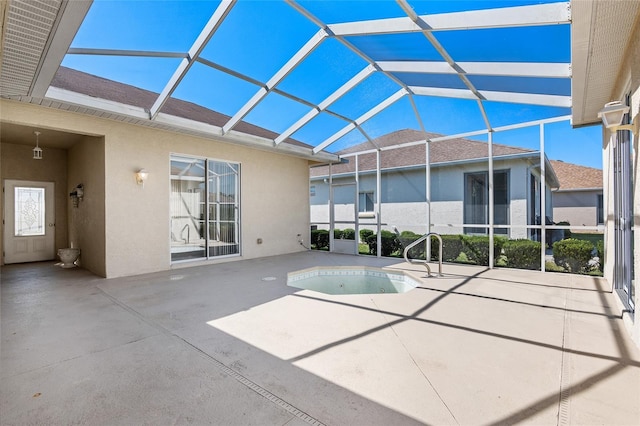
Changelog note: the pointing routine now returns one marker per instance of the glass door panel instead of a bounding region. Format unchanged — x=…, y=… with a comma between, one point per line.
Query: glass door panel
x=187, y=208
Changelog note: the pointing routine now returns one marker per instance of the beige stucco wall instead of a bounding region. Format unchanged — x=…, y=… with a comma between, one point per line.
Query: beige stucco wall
x=87, y=221
x=627, y=81
x=16, y=162
x=274, y=189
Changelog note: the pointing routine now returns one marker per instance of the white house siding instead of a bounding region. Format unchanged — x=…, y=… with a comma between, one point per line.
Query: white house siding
x=406, y=216
x=403, y=195
x=577, y=208
x=518, y=213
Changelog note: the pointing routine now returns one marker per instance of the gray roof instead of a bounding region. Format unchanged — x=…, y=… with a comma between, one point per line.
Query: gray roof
x=98, y=87
x=440, y=152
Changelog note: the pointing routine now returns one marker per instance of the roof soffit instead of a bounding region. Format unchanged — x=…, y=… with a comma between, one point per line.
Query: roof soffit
x=600, y=34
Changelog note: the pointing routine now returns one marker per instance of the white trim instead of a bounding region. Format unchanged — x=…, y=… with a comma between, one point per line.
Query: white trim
x=174, y=123
x=63, y=32
x=198, y=46
x=514, y=69
x=544, y=14
x=294, y=61
x=360, y=120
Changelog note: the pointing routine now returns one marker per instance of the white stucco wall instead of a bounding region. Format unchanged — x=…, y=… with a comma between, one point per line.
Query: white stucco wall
x=274, y=189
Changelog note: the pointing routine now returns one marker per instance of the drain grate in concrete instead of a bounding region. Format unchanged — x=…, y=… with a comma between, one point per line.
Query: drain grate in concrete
x=221, y=366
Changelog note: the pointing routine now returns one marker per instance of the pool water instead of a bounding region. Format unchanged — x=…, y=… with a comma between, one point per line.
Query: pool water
x=351, y=280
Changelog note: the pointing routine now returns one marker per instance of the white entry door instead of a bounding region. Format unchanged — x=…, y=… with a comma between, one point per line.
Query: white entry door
x=29, y=221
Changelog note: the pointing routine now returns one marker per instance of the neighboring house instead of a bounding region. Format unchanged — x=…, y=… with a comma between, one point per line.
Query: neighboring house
x=578, y=200
x=459, y=185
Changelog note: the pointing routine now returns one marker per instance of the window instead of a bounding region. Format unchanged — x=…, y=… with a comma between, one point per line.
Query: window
x=205, y=208
x=476, y=201
x=365, y=202
x=29, y=211
x=600, y=210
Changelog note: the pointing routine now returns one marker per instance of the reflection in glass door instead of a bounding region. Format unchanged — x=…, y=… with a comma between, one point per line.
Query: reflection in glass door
x=205, y=208
x=623, y=217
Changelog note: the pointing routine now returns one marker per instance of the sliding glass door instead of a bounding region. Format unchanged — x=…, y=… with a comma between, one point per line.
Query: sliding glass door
x=205, y=206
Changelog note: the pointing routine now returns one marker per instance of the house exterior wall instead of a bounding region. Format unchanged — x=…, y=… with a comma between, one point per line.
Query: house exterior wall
x=16, y=162
x=628, y=81
x=403, y=194
x=86, y=222
x=274, y=190
x=576, y=207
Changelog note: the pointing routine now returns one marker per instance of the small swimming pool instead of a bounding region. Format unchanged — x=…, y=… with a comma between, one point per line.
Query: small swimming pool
x=351, y=280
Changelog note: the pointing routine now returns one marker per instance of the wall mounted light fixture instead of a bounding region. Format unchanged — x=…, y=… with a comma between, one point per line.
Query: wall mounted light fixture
x=37, y=151
x=77, y=194
x=612, y=115
x=141, y=176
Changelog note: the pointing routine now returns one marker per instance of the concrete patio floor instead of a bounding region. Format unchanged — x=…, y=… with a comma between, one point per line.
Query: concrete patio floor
x=220, y=345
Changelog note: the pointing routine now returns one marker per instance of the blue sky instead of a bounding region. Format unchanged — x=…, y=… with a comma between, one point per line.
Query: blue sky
x=258, y=37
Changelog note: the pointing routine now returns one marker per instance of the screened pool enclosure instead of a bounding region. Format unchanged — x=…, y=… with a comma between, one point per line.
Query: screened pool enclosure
x=455, y=117
x=498, y=193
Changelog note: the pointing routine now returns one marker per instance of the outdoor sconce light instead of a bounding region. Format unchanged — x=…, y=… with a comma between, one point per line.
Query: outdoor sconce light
x=77, y=194
x=37, y=151
x=612, y=115
x=141, y=176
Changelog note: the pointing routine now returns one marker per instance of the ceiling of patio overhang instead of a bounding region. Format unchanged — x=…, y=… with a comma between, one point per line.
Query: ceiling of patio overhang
x=330, y=74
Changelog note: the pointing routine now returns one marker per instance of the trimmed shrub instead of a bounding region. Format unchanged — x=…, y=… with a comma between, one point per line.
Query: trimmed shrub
x=573, y=254
x=600, y=250
x=435, y=247
x=451, y=248
x=337, y=234
x=365, y=234
x=408, y=237
x=522, y=254
x=320, y=238
x=349, y=234
x=390, y=243
x=476, y=247
x=552, y=267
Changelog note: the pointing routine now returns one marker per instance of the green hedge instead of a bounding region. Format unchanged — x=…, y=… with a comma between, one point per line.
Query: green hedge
x=408, y=237
x=390, y=243
x=349, y=234
x=364, y=234
x=476, y=247
x=522, y=254
x=451, y=248
x=600, y=250
x=320, y=238
x=573, y=255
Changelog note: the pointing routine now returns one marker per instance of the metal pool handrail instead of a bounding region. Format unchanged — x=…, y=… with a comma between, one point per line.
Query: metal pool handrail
x=418, y=241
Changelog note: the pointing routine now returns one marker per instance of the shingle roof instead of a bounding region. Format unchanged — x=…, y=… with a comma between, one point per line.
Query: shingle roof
x=98, y=87
x=440, y=152
x=573, y=176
